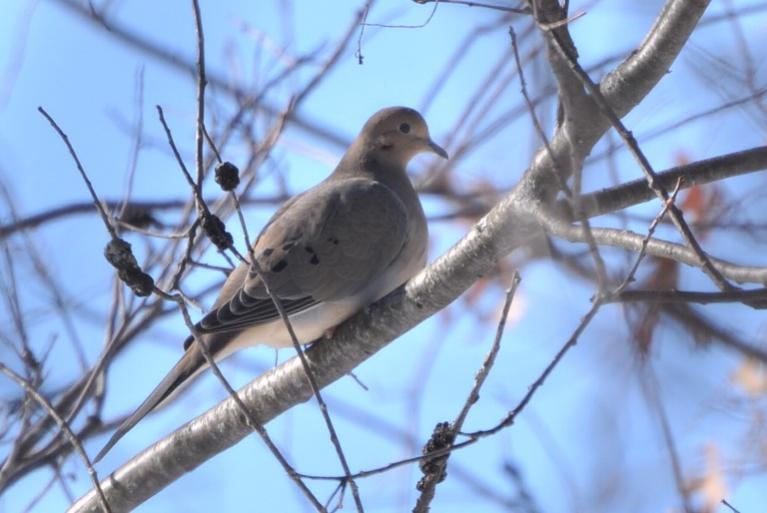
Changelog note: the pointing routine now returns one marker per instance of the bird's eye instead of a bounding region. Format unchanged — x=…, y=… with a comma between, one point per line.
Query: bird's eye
x=404, y=128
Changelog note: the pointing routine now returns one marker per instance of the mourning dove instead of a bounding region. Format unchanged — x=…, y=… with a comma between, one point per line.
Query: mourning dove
x=326, y=253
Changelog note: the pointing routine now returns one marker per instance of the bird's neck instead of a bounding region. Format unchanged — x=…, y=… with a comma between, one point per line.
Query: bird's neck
x=360, y=161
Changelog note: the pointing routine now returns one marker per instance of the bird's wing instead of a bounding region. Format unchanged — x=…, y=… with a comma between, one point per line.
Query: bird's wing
x=326, y=245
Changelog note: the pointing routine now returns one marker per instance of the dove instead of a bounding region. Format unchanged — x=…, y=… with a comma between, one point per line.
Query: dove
x=326, y=253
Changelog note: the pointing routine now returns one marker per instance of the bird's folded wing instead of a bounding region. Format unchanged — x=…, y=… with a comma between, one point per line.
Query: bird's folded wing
x=238, y=314
x=328, y=244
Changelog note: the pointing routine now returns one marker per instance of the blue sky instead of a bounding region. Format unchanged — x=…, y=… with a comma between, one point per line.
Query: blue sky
x=588, y=421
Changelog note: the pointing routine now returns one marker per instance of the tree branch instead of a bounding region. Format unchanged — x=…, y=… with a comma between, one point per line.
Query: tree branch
x=656, y=247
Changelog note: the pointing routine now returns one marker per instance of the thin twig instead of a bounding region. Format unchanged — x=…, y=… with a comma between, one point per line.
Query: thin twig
x=201, y=83
x=175, y=281
x=724, y=501
x=32, y=364
x=211, y=143
x=172, y=143
x=151, y=233
x=515, y=10
x=96, y=202
x=137, y=142
x=435, y=475
x=244, y=226
x=63, y=426
x=652, y=395
x=420, y=25
x=487, y=365
x=650, y=232
x=363, y=24
x=682, y=296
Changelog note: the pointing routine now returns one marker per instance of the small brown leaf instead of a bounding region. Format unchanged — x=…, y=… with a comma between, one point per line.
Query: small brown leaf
x=751, y=377
x=711, y=486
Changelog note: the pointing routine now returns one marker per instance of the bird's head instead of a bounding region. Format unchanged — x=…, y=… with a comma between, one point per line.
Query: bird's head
x=397, y=134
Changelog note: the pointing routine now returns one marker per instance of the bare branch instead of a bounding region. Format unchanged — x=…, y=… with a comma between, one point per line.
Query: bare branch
x=660, y=248
x=683, y=296
x=96, y=202
x=701, y=172
x=434, y=469
x=101, y=501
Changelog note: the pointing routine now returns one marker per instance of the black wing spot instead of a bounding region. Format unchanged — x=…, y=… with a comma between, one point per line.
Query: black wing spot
x=333, y=240
x=315, y=259
x=279, y=266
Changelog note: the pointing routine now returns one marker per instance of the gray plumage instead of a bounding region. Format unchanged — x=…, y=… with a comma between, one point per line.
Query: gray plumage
x=326, y=253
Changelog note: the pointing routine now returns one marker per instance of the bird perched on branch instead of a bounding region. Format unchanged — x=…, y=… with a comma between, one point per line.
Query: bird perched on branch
x=326, y=253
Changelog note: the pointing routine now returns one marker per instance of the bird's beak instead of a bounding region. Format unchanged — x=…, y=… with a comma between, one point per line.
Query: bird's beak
x=436, y=148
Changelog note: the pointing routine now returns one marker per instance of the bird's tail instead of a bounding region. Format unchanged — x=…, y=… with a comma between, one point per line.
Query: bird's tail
x=188, y=367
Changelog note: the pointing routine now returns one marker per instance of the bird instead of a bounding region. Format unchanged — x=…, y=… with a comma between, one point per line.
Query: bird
x=325, y=253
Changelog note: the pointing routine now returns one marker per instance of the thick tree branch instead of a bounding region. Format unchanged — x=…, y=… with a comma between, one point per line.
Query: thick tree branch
x=631, y=241
x=632, y=80
x=617, y=198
